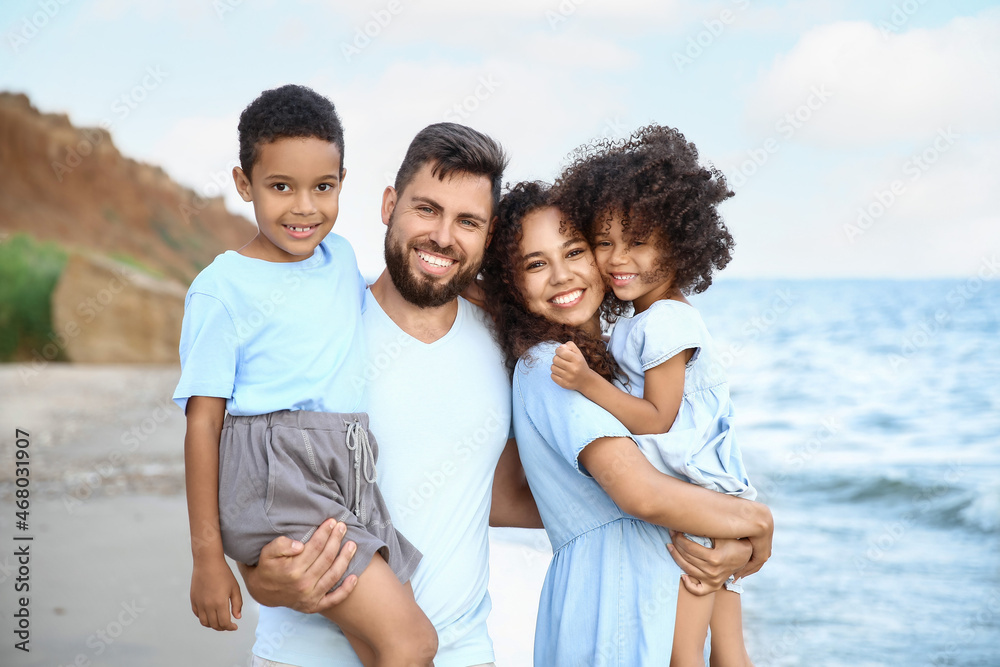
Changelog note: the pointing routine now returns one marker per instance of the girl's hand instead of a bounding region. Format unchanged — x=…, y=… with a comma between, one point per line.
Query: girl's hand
x=213, y=586
x=569, y=368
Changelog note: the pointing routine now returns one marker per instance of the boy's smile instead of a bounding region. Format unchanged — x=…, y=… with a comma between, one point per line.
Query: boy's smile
x=295, y=190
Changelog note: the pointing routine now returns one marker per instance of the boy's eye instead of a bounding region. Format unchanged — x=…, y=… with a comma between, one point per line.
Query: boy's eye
x=281, y=187
x=324, y=187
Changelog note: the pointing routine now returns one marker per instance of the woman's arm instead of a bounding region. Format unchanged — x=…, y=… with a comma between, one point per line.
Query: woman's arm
x=655, y=412
x=644, y=492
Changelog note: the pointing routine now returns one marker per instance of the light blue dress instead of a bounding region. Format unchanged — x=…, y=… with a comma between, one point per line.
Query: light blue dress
x=610, y=594
x=700, y=446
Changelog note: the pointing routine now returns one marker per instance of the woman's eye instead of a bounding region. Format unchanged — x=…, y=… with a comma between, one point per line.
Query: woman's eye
x=574, y=252
x=535, y=265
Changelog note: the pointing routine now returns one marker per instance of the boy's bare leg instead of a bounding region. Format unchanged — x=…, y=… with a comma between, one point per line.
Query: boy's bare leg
x=382, y=614
x=728, y=649
x=364, y=652
x=691, y=628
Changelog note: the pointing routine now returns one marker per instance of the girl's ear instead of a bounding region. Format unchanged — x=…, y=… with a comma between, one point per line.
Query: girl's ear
x=242, y=184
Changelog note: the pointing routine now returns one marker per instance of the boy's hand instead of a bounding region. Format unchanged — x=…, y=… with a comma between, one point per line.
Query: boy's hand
x=212, y=587
x=569, y=368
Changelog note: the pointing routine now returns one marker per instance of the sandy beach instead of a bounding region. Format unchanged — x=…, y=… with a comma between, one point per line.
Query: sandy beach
x=110, y=560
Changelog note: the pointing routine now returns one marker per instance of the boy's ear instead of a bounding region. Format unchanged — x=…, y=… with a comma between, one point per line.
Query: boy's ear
x=388, y=204
x=242, y=184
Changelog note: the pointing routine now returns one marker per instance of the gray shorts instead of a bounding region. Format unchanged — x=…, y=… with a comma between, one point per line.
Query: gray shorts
x=286, y=472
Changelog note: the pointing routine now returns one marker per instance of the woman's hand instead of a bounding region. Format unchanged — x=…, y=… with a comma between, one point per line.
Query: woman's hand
x=300, y=576
x=213, y=588
x=708, y=569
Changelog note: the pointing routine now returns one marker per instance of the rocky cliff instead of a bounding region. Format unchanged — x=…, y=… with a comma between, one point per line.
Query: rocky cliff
x=71, y=185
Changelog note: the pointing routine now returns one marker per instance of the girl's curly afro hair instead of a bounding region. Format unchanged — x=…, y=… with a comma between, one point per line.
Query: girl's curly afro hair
x=654, y=182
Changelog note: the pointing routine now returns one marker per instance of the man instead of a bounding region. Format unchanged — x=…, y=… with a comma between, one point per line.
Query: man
x=440, y=408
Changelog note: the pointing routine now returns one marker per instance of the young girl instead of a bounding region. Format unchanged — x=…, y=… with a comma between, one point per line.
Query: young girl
x=651, y=211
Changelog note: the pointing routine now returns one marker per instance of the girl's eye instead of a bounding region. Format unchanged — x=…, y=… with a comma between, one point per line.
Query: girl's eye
x=604, y=244
x=637, y=243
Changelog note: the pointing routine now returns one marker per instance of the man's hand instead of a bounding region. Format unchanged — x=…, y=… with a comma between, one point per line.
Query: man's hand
x=213, y=587
x=569, y=368
x=708, y=569
x=300, y=576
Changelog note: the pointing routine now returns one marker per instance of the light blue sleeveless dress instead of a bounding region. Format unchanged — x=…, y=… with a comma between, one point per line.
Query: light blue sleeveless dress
x=610, y=593
x=700, y=446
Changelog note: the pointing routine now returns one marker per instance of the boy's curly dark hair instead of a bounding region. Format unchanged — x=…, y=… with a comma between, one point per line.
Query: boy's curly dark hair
x=654, y=181
x=288, y=111
x=517, y=328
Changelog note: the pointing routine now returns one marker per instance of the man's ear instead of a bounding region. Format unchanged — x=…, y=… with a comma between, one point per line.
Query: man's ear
x=242, y=184
x=343, y=175
x=388, y=204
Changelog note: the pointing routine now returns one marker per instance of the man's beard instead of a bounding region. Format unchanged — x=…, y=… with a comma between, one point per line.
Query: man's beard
x=423, y=291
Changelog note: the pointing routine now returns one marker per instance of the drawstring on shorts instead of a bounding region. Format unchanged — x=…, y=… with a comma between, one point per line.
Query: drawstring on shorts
x=364, y=461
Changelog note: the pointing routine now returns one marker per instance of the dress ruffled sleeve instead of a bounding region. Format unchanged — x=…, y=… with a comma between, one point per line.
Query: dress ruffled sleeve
x=665, y=330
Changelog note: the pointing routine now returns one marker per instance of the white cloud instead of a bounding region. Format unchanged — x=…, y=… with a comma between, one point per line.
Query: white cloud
x=885, y=86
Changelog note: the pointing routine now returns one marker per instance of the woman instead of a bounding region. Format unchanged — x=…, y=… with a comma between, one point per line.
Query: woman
x=610, y=593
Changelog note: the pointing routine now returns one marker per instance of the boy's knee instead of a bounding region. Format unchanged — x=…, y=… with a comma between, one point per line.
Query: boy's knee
x=416, y=646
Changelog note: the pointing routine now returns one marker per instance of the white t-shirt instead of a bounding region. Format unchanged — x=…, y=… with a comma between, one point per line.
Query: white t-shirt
x=441, y=415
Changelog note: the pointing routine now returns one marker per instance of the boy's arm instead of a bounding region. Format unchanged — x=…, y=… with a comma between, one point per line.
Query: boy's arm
x=513, y=505
x=655, y=412
x=212, y=582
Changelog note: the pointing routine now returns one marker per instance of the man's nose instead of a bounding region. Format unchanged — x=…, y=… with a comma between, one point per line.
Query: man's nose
x=442, y=234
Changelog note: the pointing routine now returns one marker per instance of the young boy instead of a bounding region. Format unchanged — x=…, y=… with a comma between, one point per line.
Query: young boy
x=271, y=357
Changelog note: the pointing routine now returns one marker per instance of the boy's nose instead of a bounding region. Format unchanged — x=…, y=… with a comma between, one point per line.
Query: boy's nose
x=304, y=204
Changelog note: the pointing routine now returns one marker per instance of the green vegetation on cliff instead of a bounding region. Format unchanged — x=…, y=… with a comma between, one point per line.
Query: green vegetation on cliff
x=29, y=270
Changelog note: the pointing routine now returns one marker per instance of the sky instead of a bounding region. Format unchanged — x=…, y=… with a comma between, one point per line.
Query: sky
x=861, y=138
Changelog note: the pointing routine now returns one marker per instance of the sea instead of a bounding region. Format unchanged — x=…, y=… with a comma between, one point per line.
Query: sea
x=869, y=418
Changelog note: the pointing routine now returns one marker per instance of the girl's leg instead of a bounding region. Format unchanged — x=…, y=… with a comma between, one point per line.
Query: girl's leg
x=691, y=628
x=382, y=615
x=727, y=632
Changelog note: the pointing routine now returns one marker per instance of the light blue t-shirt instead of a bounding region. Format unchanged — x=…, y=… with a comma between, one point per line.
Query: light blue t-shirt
x=441, y=415
x=271, y=336
x=610, y=593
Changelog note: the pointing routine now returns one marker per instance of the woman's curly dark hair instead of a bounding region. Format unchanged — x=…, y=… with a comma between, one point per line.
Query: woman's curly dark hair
x=654, y=181
x=517, y=328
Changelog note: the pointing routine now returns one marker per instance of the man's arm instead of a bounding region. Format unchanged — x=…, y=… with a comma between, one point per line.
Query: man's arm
x=513, y=505
x=300, y=576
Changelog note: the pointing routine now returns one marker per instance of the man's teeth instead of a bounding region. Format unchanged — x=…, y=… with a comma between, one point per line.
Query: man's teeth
x=433, y=260
x=567, y=298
